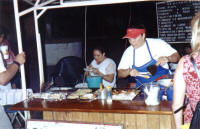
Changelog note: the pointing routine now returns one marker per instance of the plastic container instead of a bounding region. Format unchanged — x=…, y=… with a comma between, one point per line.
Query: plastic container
x=165, y=82
x=151, y=93
x=94, y=81
x=162, y=92
x=169, y=93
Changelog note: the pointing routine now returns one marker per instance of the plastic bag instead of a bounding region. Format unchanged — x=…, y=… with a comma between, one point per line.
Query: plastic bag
x=195, y=122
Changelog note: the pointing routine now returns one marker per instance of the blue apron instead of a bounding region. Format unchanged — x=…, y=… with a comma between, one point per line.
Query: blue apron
x=159, y=72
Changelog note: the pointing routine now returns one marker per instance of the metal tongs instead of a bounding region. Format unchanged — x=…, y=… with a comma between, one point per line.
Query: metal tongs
x=144, y=76
x=139, y=85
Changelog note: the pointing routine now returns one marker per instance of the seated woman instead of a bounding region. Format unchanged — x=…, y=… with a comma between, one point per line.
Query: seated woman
x=104, y=67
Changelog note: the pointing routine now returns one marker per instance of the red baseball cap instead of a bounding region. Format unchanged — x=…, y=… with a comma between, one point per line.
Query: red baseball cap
x=133, y=32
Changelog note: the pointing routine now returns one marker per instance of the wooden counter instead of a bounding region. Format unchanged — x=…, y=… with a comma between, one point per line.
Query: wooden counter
x=131, y=114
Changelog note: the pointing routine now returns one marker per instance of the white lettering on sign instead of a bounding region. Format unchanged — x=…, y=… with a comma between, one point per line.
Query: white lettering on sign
x=174, y=20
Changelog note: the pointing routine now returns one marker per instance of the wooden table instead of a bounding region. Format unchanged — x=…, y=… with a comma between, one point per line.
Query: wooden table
x=131, y=114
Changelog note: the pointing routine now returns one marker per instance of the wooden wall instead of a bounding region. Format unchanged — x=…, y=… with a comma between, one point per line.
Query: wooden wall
x=129, y=121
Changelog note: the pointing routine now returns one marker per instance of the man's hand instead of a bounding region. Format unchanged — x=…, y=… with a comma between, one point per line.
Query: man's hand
x=162, y=60
x=21, y=58
x=133, y=72
x=165, y=59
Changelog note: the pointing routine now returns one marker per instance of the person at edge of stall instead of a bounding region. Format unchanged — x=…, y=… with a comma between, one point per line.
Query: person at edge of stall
x=144, y=52
x=186, y=81
x=3, y=41
x=6, y=74
x=103, y=66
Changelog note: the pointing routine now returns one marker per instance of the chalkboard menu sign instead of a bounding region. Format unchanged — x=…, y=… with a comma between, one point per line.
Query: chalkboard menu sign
x=173, y=19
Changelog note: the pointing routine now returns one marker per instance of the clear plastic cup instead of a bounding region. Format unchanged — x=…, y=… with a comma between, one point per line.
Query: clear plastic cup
x=151, y=93
x=4, y=50
x=169, y=93
x=109, y=94
x=102, y=94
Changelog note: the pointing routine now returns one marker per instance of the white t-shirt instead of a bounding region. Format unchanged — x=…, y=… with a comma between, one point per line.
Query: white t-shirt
x=108, y=66
x=2, y=69
x=5, y=122
x=157, y=48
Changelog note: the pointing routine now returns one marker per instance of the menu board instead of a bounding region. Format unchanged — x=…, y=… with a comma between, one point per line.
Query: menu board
x=173, y=20
x=42, y=124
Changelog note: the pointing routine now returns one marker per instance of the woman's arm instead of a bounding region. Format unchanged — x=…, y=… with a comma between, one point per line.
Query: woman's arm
x=107, y=77
x=179, y=90
x=7, y=75
x=110, y=72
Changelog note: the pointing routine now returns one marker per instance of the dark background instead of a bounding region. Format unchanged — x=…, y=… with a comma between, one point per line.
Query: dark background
x=105, y=26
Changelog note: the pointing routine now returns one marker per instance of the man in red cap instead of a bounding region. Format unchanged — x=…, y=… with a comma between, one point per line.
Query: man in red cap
x=144, y=52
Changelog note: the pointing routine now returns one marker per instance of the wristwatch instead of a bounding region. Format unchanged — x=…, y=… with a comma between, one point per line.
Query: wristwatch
x=17, y=63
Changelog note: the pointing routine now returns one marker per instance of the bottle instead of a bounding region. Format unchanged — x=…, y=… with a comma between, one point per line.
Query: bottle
x=101, y=86
x=109, y=94
x=102, y=92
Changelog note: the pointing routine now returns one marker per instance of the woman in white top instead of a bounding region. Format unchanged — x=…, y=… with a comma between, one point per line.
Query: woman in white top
x=104, y=67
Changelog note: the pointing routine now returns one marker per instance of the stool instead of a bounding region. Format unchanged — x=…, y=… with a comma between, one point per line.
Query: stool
x=15, y=115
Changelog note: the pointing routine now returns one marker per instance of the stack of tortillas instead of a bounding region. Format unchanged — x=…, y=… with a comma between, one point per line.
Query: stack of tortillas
x=77, y=94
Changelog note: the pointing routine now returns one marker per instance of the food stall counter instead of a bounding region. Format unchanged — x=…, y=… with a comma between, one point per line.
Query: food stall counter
x=131, y=114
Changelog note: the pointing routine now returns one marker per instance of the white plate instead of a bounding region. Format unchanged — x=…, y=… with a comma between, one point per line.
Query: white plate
x=87, y=70
x=60, y=88
x=81, y=85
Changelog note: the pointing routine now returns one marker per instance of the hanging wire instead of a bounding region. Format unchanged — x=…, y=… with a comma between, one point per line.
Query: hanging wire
x=85, y=49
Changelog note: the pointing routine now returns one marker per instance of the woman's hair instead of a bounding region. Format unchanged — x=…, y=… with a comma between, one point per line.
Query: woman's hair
x=195, y=41
x=99, y=48
x=3, y=31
